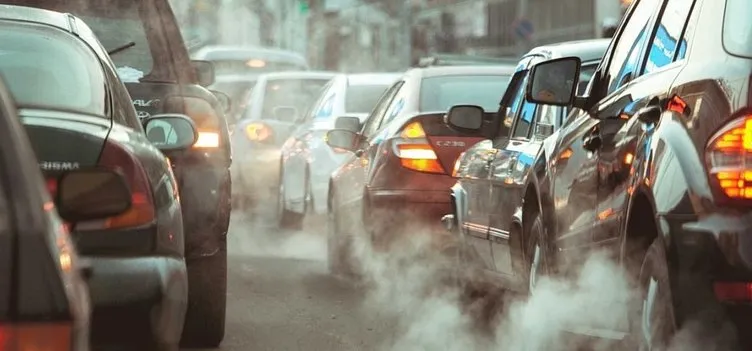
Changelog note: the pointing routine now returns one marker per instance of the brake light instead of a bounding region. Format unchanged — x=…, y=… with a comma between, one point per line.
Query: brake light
x=203, y=115
x=115, y=156
x=729, y=158
x=415, y=152
x=258, y=132
x=733, y=291
x=36, y=337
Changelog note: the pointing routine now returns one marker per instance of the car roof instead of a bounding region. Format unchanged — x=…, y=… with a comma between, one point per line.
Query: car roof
x=372, y=78
x=298, y=75
x=438, y=71
x=586, y=50
x=36, y=15
x=236, y=52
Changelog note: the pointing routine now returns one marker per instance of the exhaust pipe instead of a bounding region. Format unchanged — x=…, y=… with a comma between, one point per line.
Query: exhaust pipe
x=449, y=222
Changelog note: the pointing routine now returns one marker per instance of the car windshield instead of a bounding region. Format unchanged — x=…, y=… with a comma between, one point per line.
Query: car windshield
x=441, y=93
x=737, y=28
x=298, y=93
x=362, y=98
x=253, y=66
x=47, y=68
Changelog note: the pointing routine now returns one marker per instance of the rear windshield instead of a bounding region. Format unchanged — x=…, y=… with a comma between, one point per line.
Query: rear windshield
x=298, y=93
x=362, y=98
x=441, y=93
x=253, y=66
x=737, y=28
x=47, y=68
x=237, y=91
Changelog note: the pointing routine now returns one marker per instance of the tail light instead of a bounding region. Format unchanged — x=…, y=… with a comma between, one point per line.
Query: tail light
x=733, y=291
x=203, y=114
x=36, y=337
x=258, y=132
x=415, y=152
x=115, y=156
x=729, y=158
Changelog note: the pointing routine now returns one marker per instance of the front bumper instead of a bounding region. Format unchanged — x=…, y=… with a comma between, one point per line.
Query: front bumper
x=137, y=298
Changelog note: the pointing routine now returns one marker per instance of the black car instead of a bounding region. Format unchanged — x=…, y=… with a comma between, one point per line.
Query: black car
x=145, y=44
x=44, y=300
x=77, y=114
x=490, y=173
x=653, y=169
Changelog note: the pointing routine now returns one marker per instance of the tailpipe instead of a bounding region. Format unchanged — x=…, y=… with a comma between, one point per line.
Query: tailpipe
x=449, y=222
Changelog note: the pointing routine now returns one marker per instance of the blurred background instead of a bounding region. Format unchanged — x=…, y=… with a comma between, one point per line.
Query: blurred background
x=389, y=35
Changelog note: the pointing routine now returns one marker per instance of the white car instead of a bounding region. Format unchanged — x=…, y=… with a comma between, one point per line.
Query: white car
x=306, y=160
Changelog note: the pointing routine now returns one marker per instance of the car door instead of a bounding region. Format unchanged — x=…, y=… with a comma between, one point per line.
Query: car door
x=658, y=64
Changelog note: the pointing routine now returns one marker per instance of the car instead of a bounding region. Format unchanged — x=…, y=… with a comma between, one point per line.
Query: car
x=143, y=41
x=49, y=306
x=306, y=161
x=489, y=174
x=652, y=169
x=399, y=167
x=78, y=114
x=275, y=108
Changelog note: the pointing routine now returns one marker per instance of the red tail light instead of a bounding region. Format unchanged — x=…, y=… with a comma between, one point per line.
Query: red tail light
x=36, y=337
x=115, y=156
x=257, y=131
x=415, y=152
x=729, y=158
x=733, y=291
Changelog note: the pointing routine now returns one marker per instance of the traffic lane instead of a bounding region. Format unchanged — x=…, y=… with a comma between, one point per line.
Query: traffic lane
x=281, y=297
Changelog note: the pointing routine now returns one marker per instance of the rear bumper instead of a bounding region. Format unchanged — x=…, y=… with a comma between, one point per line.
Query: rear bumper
x=137, y=298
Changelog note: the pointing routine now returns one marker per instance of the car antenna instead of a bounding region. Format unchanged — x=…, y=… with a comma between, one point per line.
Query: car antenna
x=121, y=48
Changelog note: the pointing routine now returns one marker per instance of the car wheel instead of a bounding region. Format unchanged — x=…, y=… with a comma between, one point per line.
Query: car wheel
x=332, y=243
x=207, y=301
x=656, y=321
x=287, y=219
x=537, y=256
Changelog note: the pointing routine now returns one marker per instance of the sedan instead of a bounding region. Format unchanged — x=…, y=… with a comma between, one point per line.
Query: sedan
x=77, y=114
x=399, y=167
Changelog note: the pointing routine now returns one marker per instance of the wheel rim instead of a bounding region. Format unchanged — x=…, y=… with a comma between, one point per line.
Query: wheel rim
x=535, y=268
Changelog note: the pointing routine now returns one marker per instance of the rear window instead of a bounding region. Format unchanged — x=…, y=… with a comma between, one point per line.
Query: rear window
x=362, y=98
x=48, y=68
x=253, y=66
x=237, y=91
x=441, y=93
x=737, y=28
x=298, y=93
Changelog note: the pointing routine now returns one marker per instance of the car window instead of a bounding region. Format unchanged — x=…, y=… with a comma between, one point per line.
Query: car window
x=362, y=98
x=397, y=105
x=525, y=120
x=508, y=110
x=298, y=93
x=515, y=107
x=628, y=52
x=377, y=115
x=45, y=67
x=737, y=28
x=441, y=93
x=314, y=107
x=668, y=34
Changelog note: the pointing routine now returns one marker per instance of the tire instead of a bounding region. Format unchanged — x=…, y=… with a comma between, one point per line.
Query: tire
x=537, y=257
x=207, y=301
x=656, y=324
x=338, y=248
x=286, y=219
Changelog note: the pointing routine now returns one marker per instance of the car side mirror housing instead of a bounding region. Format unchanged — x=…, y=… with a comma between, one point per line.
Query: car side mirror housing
x=171, y=131
x=204, y=72
x=350, y=123
x=287, y=114
x=224, y=100
x=88, y=194
x=465, y=118
x=554, y=82
x=343, y=139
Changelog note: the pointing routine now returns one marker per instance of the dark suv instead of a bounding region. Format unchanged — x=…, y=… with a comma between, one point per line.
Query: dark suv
x=652, y=166
x=144, y=41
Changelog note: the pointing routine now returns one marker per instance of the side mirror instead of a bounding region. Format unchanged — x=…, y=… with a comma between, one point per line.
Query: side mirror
x=466, y=118
x=348, y=123
x=286, y=114
x=543, y=130
x=171, y=131
x=554, y=82
x=224, y=100
x=204, y=72
x=343, y=139
x=88, y=194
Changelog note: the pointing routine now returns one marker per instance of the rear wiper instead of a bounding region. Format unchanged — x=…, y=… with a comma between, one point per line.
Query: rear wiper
x=121, y=48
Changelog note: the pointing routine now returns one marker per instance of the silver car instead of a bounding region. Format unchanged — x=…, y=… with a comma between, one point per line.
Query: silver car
x=306, y=160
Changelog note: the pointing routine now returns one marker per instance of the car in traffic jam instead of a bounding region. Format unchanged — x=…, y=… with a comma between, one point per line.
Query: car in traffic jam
x=123, y=159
